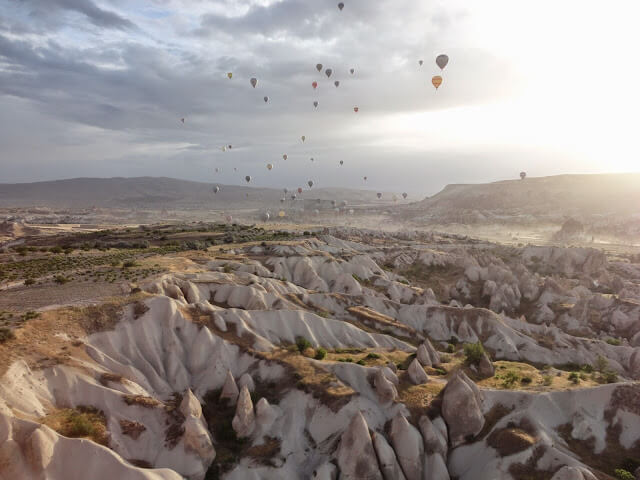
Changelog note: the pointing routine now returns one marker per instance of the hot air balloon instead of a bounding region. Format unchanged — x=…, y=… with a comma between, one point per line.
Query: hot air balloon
x=266, y=99
x=229, y=147
x=316, y=212
x=266, y=216
x=235, y=169
x=217, y=170
x=303, y=138
x=437, y=81
x=216, y=189
x=311, y=159
x=282, y=200
x=328, y=72
x=310, y=183
x=285, y=156
x=314, y=85
x=182, y=120
x=269, y=166
x=224, y=149
x=365, y=179
x=523, y=175
x=404, y=195
x=286, y=190
x=356, y=109
x=420, y=62
x=254, y=82
x=352, y=71
x=319, y=67
x=441, y=61
x=293, y=197
x=315, y=104
x=230, y=75
x=341, y=162
x=333, y=203
x=247, y=178
x=229, y=218
x=281, y=213
x=337, y=83
x=379, y=195
x=341, y=6
x=299, y=189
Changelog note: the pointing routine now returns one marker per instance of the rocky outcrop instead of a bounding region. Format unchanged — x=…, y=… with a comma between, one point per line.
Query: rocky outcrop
x=244, y=421
x=356, y=457
x=230, y=390
x=462, y=409
x=326, y=471
x=573, y=473
x=416, y=373
x=196, y=434
x=387, y=459
x=408, y=445
x=247, y=380
x=485, y=367
x=385, y=389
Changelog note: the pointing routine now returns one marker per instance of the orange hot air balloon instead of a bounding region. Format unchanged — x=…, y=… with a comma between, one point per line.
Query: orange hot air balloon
x=436, y=81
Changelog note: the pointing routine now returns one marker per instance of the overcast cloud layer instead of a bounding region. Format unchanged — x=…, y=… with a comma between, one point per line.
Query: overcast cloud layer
x=98, y=88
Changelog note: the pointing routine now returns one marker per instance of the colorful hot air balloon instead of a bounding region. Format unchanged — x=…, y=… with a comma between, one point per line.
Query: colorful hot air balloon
x=281, y=214
x=269, y=166
x=337, y=83
x=266, y=99
x=224, y=149
x=314, y=85
x=523, y=175
x=310, y=183
x=284, y=157
x=247, y=178
x=230, y=75
x=437, y=81
x=315, y=104
x=299, y=189
x=356, y=109
x=328, y=72
x=441, y=61
x=303, y=138
x=341, y=6
x=254, y=82
x=379, y=195
x=352, y=71
x=319, y=67
x=405, y=195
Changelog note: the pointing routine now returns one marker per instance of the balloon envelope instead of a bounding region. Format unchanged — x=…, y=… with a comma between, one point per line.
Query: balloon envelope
x=341, y=6
x=336, y=83
x=356, y=109
x=319, y=67
x=352, y=71
x=310, y=183
x=341, y=162
x=284, y=157
x=247, y=178
x=281, y=213
x=315, y=104
x=230, y=75
x=299, y=190
x=328, y=72
x=266, y=99
x=420, y=62
x=314, y=85
x=404, y=195
x=436, y=81
x=254, y=82
x=216, y=189
x=270, y=166
x=379, y=195
x=441, y=61
x=523, y=175
x=303, y=138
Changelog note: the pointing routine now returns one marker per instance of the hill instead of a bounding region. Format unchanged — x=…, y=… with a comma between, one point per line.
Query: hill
x=545, y=198
x=156, y=193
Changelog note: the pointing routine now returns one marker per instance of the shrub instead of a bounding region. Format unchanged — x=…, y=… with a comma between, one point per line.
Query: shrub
x=29, y=281
x=574, y=377
x=473, y=353
x=614, y=341
x=547, y=380
x=56, y=249
x=610, y=376
x=80, y=426
x=302, y=344
x=602, y=364
x=622, y=474
x=321, y=353
x=60, y=279
x=129, y=264
x=373, y=356
x=451, y=348
x=361, y=362
x=6, y=334
x=509, y=379
x=526, y=379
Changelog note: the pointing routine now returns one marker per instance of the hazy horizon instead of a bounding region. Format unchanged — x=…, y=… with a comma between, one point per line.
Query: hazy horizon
x=98, y=88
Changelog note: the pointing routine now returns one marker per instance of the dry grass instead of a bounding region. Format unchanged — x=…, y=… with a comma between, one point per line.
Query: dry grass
x=538, y=381
x=80, y=422
x=418, y=398
x=131, y=428
x=509, y=441
x=141, y=400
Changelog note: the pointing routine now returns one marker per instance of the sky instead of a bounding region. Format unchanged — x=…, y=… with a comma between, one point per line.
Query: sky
x=97, y=88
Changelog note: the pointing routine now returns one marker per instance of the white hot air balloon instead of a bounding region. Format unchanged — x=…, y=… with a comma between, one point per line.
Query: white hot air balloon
x=216, y=189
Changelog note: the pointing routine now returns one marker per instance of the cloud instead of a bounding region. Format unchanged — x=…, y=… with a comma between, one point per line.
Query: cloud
x=50, y=9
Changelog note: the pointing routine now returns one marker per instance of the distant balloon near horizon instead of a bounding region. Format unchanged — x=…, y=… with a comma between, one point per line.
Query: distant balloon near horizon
x=315, y=104
x=328, y=72
x=247, y=178
x=420, y=62
x=442, y=61
x=337, y=83
x=254, y=82
x=270, y=166
x=379, y=195
x=182, y=120
x=319, y=67
x=266, y=99
x=314, y=85
x=310, y=183
x=284, y=157
x=523, y=175
x=356, y=109
x=404, y=195
x=341, y=162
x=299, y=190
x=216, y=189
x=281, y=213
x=303, y=138
x=341, y=6
x=352, y=71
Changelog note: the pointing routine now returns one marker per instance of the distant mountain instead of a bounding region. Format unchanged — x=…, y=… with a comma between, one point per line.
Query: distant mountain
x=158, y=193
x=552, y=198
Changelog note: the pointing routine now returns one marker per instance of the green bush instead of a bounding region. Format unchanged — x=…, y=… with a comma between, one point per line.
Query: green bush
x=509, y=379
x=622, y=474
x=547, y=380
x=80, y=426
x=302, y=344
x=55, y=249
x=373, y=356
x=473, y=353
x=574, y=378
x=614, y=341
x=6, y=334
x=361, y=362
x=451, y=348
x=29, y=281
x=60, y=279
x=320, y=354
x=526, y=380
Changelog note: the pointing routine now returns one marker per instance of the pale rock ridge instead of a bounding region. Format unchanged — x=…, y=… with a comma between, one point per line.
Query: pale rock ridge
x=462, y=409
x=389, y=465
x=356, y=457
x=416, y=373
x=408, y=445
x=244, y=421
x=230, y=390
